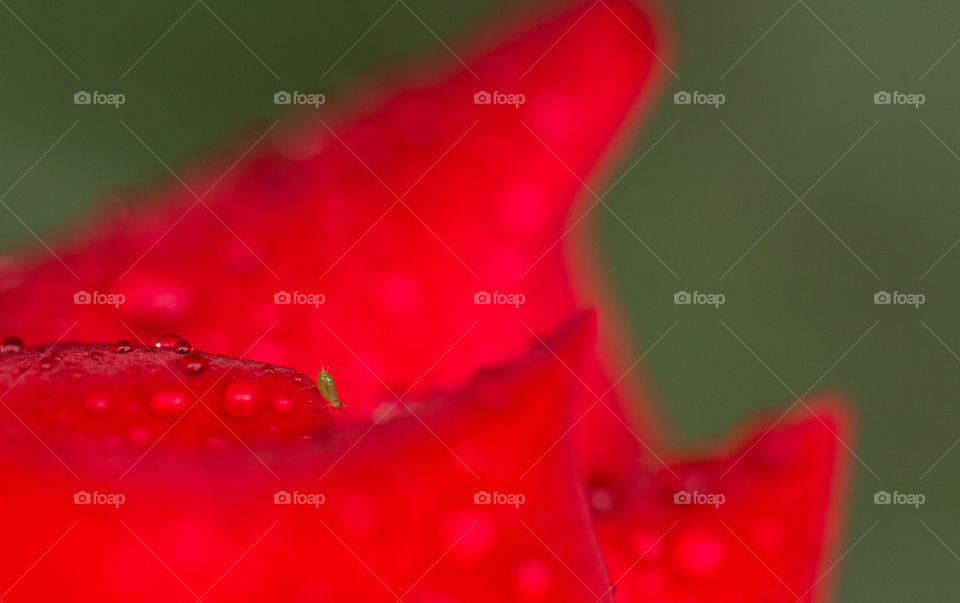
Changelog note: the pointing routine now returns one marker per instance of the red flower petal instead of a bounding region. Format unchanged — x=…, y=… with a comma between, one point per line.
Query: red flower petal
x=126, y=396
x=755, y=523
x=370, y=515
x=398, y=216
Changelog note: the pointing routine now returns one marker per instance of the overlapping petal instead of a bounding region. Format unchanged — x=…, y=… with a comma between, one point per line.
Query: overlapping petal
x=110, y=495
x=753, y=520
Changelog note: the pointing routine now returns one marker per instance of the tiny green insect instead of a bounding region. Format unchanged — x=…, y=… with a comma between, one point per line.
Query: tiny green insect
x=328, y=389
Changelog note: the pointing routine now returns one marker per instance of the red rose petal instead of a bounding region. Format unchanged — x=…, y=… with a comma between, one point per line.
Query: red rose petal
x=92, y=396
x=769, y=538
x=377, y=514
x=394, y=218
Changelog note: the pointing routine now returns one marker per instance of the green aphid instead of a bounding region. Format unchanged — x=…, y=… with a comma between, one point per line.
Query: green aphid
x=328, y=389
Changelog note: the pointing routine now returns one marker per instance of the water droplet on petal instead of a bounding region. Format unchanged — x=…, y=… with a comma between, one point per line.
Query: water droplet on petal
x=240, y=399
x=123, y=347
x=139, y=436
x=603, y=498
x=282, y=404
x=170, y=403
x=155, y=299
x=12, y=345
x=168, y=342
x=216, y=444
x=183, y=347
x=698, y=551
x=47, y=362
x=533, y=579
x=777, y=454
x=193, y=364
x=97, y=402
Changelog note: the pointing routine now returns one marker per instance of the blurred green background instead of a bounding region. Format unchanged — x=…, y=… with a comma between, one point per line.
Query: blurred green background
x=799, y=278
